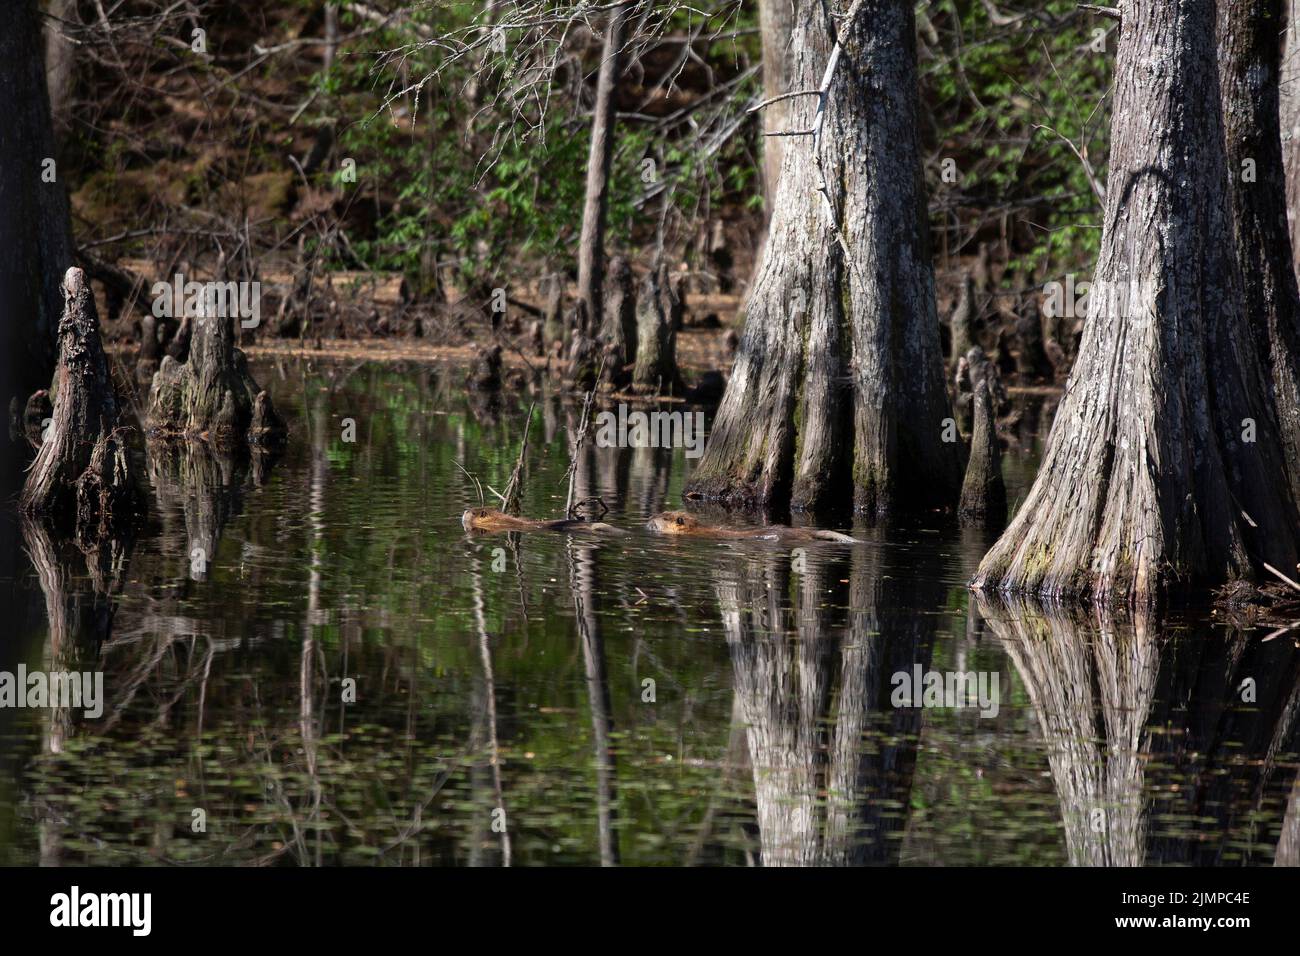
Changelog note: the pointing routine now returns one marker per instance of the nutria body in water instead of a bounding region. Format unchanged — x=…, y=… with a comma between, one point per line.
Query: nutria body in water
x=679, y=522
x=488, y=519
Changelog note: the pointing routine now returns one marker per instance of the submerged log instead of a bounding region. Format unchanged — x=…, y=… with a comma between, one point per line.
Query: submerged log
x=82, y=469
x=983, y=494
x=211, y=396
x=656, y=352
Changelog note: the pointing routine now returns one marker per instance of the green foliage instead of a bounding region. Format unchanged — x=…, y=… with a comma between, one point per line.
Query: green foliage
x=1005, y=99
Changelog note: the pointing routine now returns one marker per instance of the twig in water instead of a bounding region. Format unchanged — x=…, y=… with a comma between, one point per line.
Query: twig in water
x=477, y=484
x=578, y=440
x=510, y=500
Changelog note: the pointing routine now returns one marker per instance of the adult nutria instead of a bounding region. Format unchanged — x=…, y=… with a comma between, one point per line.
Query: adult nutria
x=679, y=522
x=489, y=519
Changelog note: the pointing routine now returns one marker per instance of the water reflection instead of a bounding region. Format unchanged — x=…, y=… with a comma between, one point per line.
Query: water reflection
x=1168, y=743
x=351, y=679
x=812, y=679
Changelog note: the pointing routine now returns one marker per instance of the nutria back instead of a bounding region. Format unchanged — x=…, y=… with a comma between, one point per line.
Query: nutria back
x=682, y=523
x=489, y=519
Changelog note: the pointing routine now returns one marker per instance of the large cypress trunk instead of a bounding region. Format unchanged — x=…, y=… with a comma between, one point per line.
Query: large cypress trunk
x=1150, y=478
x=35, y=232
x=1249, y=69
x=838, y=382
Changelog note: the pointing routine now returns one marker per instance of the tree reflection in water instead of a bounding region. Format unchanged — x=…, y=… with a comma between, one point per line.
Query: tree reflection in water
x=1159, y=750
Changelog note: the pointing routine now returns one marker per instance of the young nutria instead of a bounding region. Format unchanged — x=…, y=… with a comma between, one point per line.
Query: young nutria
x=679, y=522
x=489, y=519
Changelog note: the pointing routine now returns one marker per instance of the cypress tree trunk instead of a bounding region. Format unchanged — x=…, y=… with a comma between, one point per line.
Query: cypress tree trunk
x=1290, y=118
x=591, y=244
x=1150, y=477
x=35, y=231
x=838, y=381
x=776, y=25
x=60, y=61
x=1249, y=68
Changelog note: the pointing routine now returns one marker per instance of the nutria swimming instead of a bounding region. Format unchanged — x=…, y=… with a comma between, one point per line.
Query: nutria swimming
x=488, y=519
x=679, y=522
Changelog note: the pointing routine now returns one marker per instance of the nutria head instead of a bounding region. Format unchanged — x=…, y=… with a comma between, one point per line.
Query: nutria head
x=673, y=522
x=477, y=517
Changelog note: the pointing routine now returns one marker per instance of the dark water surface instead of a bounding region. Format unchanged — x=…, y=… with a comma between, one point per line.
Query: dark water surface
x=503, y=707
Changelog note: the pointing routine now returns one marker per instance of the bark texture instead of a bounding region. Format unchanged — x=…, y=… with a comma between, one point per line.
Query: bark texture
x=1249, y=70
x=35, y=232
x=211, y=395
x=838, y=381
x=776, y=27
x=82, y=470
x=1149, y=479
x=1290, y=119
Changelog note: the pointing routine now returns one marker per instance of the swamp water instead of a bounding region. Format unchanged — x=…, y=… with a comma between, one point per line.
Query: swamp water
x=309, y=662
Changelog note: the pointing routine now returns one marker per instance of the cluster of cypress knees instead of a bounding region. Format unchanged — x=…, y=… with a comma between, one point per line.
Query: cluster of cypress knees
x=83, y=475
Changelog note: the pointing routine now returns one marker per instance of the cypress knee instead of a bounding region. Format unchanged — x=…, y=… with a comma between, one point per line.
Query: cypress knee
x=656, y=351
x=211, y=395
x=618, y=328
x=963, y=319
x=82, y=469
x=983, y=495
x=1031, y=359
x=672, y=297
